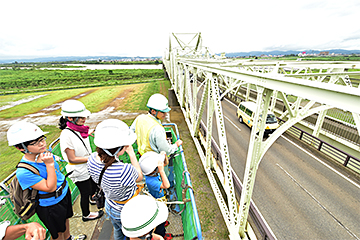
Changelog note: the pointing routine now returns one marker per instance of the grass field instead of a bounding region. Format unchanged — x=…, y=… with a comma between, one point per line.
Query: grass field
x=13, y=81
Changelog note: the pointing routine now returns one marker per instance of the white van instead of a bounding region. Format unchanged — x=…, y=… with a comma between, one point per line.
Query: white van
x=246, y=113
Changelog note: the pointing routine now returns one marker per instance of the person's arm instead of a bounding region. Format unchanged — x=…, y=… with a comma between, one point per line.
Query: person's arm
x=166, y=160
x=165, y=181
x=130, y=151
x=70, y=153
x=31, y=230
x=49, y=184
x=159, y=143
x=154, y=237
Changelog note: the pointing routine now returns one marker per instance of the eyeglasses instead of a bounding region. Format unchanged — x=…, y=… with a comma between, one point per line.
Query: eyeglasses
x=36, y=143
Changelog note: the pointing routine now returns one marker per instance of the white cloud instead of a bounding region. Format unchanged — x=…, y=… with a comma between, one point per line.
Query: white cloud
x=142, y=28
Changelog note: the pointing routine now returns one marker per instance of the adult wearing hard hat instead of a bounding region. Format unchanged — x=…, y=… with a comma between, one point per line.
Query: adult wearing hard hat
x=118, y=180
x=141, y=215
x=151, y=134
x=75, y=149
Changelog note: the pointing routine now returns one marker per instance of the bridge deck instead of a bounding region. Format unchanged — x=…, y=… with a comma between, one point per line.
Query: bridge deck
x=102, y=228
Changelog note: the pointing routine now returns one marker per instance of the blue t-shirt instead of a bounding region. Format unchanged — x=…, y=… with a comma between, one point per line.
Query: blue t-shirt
x=154, y=183
x=27, y=179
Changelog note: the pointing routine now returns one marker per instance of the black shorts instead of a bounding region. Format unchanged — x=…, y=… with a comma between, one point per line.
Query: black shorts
x=54, y=217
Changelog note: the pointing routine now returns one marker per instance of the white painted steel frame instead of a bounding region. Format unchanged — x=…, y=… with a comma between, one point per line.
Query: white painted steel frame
x=187, y=63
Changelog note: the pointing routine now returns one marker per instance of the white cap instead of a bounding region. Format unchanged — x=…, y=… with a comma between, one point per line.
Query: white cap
x=142, y=214
x=74, y=108
x=149, y=161
x=22, y=132
x=112, y=133
x=158, y=102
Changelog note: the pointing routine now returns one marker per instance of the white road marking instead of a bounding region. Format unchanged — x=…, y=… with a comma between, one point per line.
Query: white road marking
x=313, y=156
x=320, y=161
x=232, y=123
x=319, y=203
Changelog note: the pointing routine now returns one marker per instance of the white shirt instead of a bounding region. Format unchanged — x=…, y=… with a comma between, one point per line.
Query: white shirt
x=70, y=141
x=3, y=227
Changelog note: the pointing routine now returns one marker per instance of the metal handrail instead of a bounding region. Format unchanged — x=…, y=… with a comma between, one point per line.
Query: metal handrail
x=187, y=176
x=347, y=159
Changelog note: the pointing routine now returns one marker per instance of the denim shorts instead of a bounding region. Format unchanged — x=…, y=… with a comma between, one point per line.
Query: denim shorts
x=115, y=215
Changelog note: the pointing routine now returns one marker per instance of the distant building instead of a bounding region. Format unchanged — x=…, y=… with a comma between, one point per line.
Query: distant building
x=325, y=53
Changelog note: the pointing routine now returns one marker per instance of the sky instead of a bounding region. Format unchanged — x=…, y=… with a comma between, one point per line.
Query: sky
x=132, y=28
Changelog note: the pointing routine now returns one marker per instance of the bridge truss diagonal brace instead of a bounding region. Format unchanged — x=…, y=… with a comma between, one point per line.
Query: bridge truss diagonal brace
x=214, y=107
x=255, y=153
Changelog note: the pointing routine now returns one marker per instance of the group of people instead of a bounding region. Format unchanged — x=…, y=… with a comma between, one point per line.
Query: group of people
x=132, y=215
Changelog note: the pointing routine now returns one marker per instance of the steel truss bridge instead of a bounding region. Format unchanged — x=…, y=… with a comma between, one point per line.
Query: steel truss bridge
x=318, y=86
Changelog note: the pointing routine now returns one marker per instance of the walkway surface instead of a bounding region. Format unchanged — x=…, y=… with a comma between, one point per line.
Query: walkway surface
x=102, y=229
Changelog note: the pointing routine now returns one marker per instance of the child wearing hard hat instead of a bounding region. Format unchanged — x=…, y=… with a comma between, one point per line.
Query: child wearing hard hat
x=141, y=215
x=152, y=166
x=55, y=205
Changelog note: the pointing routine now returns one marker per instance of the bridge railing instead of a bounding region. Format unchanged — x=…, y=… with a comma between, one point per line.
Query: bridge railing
x=331, y=151
x=331, y=125
x=335, y=153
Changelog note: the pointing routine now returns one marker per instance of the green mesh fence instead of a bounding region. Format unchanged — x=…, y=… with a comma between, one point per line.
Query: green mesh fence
x=187, y=215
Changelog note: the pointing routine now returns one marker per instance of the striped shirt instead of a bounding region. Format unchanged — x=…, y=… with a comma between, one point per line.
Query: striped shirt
x=118, y=182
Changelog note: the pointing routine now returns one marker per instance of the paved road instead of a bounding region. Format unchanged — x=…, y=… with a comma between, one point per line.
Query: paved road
x=299, y=195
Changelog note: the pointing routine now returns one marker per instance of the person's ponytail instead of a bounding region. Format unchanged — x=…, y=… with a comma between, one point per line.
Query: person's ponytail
x=105, y=158
x=62, y=123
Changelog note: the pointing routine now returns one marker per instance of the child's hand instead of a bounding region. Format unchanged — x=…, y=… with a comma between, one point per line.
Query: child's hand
x=46, y=157
x=160, y=165
x=178, y=143
x=166, y=160
x=130, y=150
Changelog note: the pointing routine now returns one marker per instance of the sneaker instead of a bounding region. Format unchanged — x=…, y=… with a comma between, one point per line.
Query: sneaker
x=168, y=236
x=100, y=213
x=92, y=200
x=78, y=237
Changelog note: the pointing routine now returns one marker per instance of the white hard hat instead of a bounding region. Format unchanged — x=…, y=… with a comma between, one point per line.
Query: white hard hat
x=22, y=132
x=158, y=102
x=74, y=108
x=142, y=214
x=112, y=133
x=149, y=161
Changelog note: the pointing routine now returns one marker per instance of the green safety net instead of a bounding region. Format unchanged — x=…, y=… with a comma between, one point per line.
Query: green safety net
x=187, y=215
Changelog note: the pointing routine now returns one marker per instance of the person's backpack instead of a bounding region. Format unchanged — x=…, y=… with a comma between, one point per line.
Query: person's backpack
x=25, y=201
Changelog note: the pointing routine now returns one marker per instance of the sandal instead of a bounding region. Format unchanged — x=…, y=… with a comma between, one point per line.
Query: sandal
x=78, y=237
x=168, y=236
x=99, y=215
